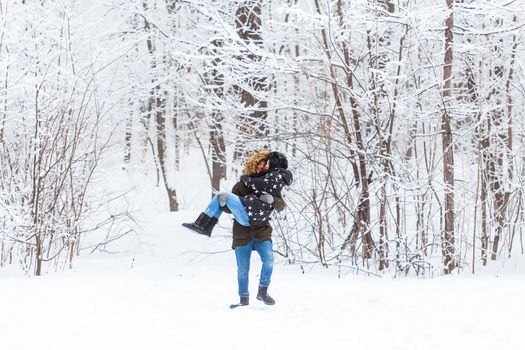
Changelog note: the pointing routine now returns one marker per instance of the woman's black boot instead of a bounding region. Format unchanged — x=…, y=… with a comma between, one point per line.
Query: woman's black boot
x=208, y=228
x=203, y=225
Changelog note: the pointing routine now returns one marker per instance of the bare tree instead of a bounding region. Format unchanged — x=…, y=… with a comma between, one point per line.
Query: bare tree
x=448, y=151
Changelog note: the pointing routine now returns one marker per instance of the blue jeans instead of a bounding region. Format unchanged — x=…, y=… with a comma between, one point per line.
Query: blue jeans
x=233, y=202
x=243, y=254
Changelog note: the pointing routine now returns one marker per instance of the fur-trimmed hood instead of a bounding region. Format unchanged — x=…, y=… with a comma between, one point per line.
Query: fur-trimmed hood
x=250, y=168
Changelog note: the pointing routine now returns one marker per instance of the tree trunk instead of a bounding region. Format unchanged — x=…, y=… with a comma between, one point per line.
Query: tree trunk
x=127, y=140
x=497, y=177
x=484, y=228
x=501, y=195
x=448, y=151
x=362, y=211
x=509, y=104
x=38, y=255
x=157, y=104
x=251, y=126
x=218, y=147
x=161, y=152
x=4, y=114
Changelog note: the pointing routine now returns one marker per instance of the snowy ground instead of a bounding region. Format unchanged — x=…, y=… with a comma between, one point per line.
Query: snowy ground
x=175, y=292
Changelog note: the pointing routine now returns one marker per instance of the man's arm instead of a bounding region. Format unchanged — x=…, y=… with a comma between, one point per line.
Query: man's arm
x=239, y=189
x=270, y=183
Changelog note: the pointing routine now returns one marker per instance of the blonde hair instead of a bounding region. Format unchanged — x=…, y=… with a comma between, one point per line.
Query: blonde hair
x=250, y=168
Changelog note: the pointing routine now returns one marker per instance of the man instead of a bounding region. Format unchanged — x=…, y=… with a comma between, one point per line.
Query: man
x=259, y=237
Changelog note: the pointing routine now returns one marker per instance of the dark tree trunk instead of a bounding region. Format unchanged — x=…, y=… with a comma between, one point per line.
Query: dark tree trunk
x=127, y=140
x=448, y=151
x=253, y=125
x=161, y=152
x=216, y=133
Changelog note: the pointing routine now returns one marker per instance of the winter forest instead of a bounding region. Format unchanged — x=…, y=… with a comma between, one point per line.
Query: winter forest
x=403, y=121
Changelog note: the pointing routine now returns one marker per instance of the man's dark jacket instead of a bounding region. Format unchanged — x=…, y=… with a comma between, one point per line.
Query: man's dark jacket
x=242, y=235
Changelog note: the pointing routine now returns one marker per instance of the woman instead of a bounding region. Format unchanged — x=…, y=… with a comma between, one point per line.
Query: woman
x=254, y=208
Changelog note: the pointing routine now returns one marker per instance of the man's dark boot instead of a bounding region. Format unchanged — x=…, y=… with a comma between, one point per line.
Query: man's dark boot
x=203, y=225
x=263, y=295
x=245, y=301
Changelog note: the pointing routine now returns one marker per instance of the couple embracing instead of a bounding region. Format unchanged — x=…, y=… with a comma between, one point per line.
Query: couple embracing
x=251, y=202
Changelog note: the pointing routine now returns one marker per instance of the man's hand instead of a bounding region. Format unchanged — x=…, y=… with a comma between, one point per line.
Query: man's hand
x=267, y=198
x=245, y=180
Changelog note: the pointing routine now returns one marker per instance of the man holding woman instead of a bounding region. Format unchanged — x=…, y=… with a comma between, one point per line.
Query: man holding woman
x=261, y=169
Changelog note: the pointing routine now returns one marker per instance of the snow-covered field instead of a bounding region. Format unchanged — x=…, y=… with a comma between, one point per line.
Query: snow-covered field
x=175, y=291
